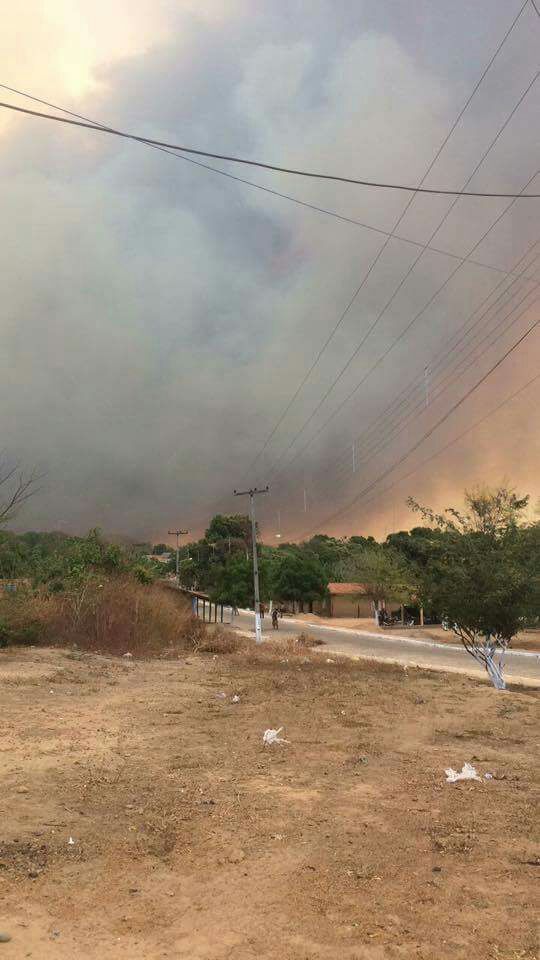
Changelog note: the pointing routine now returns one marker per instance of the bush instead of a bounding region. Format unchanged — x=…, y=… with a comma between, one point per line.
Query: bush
x=25, y=634
x=22, y=618
x=305, y=640
x=117, y=615
x=218, y=641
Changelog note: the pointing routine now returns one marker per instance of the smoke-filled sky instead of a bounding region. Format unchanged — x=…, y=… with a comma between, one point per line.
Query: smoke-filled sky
x=157, y=317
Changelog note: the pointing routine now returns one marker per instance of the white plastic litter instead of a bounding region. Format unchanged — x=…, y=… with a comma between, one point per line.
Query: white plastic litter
x=330, y=661
x=273, y=736
x=128, y=654
x=236, y=698
x=71, y=842
x=488, y=776
x=467, y=772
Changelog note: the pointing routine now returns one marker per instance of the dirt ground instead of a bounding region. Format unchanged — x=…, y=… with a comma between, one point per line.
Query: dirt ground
x=193, y=840
x=525, y=640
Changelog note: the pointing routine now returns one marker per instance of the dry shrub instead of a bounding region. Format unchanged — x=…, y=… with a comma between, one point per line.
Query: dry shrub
x=194, y=633
x=23, y=616
x=121, y=615
x=305, y=640
x=116, y=616
x=274, y=651
x=219, y=641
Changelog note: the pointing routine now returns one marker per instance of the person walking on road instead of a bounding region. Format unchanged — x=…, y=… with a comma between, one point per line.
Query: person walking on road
x=275, y=619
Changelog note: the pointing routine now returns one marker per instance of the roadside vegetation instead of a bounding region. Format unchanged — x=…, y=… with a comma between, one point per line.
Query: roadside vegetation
x=476, y=569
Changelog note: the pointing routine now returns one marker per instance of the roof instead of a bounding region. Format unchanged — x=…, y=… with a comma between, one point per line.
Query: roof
x=346, y=589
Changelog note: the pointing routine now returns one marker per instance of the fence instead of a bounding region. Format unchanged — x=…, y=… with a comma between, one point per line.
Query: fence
x=204, y=609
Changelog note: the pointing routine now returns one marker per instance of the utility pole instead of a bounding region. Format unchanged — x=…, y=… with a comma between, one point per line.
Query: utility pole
x=177, y=534
x=252, y=494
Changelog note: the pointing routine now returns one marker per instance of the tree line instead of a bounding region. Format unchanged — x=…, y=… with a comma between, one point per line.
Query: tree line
x=476, y=568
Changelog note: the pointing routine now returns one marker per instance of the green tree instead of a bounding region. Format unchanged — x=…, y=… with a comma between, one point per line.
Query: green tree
x=159, y=548
x=298, y=577
x=234, y=582
x=483, y=574
x=383, y=572
x=234, y=527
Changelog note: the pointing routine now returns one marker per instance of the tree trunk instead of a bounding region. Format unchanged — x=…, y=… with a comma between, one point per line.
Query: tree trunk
x=485, y=652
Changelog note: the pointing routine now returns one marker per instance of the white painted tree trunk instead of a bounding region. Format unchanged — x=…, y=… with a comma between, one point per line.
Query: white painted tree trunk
x=488, y=651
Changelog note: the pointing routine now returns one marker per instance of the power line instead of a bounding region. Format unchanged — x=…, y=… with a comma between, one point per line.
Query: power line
x=435, y=427
x=379, y=254
x=380, y=443
x=460, y=436
x=409, y=272
x=295, y=200
x=386, y=352
x=453, y=343
x=404, y=398
x=533, y=2
x=275, y=193
x=265, y=166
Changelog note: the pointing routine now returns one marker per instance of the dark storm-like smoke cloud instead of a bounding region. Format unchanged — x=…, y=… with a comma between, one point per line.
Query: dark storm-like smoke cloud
x=158, y=317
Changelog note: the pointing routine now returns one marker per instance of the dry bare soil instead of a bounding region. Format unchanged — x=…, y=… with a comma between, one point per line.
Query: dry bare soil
x=192, y=840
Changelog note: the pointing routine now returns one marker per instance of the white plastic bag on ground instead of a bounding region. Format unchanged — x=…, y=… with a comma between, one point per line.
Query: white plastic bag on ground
x=273, y=736
x=467, y=772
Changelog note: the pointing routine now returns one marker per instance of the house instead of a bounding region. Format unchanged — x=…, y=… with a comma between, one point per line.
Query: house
x=345, y=600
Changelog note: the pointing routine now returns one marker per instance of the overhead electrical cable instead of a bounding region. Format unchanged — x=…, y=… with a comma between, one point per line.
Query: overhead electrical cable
x=265, y=166
x=379, y=254
x=276, y=193
x=451, y=443
x=458, y=336
x=378, y=444
x=418, y=384
x=428, y=433
x=224, y=173
x=389, y=349
x=337, y=482
x=401, y=283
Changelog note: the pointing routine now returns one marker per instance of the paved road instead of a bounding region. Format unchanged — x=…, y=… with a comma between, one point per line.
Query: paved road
x=359, y=643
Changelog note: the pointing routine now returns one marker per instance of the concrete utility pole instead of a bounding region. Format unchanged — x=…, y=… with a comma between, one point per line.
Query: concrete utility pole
x=252, y=494
x=177, y=534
